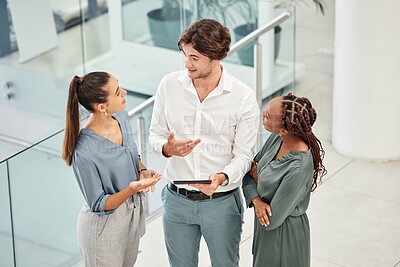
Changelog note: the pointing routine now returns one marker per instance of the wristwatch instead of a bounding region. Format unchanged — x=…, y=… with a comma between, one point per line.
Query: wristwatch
x=226, y=181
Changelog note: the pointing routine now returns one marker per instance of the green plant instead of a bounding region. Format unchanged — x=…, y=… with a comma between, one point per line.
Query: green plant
x=229, y=12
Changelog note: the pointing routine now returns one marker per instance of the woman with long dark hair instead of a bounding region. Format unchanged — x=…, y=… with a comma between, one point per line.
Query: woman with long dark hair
x=108, y=169
x=283, y=175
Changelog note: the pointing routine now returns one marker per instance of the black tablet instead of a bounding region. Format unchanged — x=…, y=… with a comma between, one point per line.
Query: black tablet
x=192, y=182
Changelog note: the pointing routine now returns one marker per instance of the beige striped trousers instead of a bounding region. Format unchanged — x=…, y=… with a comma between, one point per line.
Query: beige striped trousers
x=113, y=239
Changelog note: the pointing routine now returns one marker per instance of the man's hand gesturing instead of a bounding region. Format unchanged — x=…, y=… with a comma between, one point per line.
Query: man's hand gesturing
x=179, y=148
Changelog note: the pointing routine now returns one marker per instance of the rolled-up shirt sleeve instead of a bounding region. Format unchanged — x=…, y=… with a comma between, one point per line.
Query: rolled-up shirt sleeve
x=89, y=181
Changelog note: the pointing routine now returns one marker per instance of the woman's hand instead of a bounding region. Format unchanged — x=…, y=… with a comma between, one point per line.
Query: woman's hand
x=147, y=180
x=253, y=171
x=148, y=174
x=262, y=211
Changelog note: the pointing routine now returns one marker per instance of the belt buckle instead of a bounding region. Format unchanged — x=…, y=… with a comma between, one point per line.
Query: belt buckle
x=182, y=192
x=196, y=195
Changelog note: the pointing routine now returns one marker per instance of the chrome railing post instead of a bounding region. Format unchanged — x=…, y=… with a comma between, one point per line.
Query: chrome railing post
x=258, y=82
x=142, y=151
x=141, y=137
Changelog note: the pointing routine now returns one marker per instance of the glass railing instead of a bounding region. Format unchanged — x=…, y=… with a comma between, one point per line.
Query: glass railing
x=43, y=204
x=284, y=55
x=41, y=200
x=6, y=244
x=44, y=52
x=271, y=74
x=279, y=67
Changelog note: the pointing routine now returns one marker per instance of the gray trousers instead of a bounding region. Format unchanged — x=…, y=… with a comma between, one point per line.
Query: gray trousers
x=111, y=240
x=218, y=220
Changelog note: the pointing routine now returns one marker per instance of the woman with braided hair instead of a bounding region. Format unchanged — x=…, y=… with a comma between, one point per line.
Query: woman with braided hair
x=282, y=177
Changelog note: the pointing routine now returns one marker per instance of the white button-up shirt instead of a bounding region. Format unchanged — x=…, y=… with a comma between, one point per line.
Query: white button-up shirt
x=226, y=122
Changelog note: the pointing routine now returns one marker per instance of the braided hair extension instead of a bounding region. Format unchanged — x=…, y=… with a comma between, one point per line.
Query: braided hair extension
x=298, y=118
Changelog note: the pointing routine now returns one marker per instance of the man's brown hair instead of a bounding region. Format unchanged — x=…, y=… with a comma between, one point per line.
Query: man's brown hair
x=209, y=37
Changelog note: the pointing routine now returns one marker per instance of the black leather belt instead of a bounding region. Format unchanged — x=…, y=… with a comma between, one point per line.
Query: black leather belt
x=197, y=195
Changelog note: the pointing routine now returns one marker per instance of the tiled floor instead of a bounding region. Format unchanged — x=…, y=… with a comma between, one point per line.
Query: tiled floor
x=354, y=214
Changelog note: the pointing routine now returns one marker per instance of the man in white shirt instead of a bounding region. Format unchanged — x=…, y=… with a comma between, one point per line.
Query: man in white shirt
x=206, y=122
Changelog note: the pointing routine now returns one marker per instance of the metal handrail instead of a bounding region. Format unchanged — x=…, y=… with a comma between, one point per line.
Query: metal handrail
x=142, y=106
x=23, y=143
x=260, y=31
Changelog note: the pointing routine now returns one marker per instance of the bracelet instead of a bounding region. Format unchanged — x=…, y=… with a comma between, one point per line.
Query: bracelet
x=144, y=169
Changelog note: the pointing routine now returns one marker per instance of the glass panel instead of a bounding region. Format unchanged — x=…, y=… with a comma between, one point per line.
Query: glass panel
x=6, y=250
x=160, y=23
x=8, y=43
x=33, y=93
x=67, y=13
x=151, y=159
x=46, y=202
x=58, y=63
x=96, y=32
x=155, y=22
x=284, y=51
x=278, y=65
